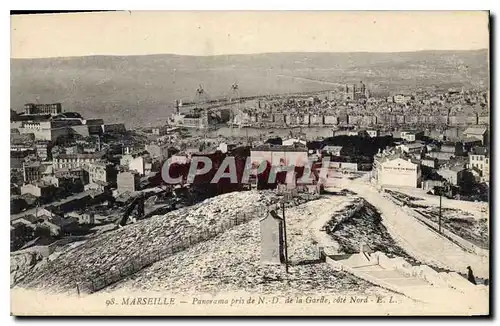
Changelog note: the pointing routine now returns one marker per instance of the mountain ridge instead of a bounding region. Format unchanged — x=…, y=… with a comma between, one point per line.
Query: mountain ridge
x=252, y=54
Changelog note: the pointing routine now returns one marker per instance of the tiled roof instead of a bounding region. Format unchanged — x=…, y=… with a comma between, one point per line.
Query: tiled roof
x=480, y=150
x=279, y=148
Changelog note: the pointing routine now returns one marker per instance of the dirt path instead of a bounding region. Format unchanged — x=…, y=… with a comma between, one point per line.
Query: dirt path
x=415, y=237
x=478, y=210
x=304, y=222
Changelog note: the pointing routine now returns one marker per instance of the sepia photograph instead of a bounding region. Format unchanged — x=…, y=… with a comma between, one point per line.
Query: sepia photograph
x=250, y=163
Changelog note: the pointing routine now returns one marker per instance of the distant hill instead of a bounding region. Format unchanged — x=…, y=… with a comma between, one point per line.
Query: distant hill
x=141, y=90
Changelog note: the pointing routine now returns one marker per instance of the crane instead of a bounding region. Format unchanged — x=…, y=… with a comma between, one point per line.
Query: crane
x=235, y=95
x=201, y=95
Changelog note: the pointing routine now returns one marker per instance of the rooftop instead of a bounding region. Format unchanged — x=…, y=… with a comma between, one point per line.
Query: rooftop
x=480, y=150
x=33, y=164
x=39, y=184
x=332, y=147
x=68, y=115
x=81, y=156
x=62, y=172
x=280, y=148
x=455, y=168
x=470, y=140
x=102, y=164
x=394, y=155
x=414, y=145
x=476, y=130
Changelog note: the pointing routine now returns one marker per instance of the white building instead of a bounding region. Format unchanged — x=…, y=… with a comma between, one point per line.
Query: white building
x=292, y=141
x=74, y=161
x=479, y=160
x=432, y=163
x=454, y=174
x=400, y=99
x=128, y=181
x=44, y=130
x=278, y=155
x=242, y=118
x=373, y=133
x=222, y=147
x=142, y=165
x=333, y=150
x=413, y=148
x=394, y=170
x=476, y=132
x=411, y=135
x=101, y=172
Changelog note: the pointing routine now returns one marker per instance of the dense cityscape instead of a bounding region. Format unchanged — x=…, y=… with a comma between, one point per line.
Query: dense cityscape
x=250, y=163
x=76, y=179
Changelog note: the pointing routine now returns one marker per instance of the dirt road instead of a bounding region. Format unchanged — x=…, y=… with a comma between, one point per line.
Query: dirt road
x=421, y=242
x=304, y=223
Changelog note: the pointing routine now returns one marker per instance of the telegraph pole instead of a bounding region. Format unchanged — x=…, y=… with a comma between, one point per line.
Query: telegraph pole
x=442, y=189
x=284, y=236
x=440, y=208
x=78, y=288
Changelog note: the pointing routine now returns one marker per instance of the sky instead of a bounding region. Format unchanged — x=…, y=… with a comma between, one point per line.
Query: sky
x=219, y=32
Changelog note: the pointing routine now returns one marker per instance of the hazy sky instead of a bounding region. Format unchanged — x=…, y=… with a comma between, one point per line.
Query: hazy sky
x=216, y=32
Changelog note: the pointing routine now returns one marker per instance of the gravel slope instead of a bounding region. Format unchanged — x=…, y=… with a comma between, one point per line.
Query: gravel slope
x=231, y=262
x=115, y=249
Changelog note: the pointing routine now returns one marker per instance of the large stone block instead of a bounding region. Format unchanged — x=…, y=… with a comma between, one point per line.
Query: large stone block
x=272, y=243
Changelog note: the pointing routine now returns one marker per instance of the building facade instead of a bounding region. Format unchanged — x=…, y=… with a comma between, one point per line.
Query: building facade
x=102, y=173
x=398, y=172
x=32, y=171
x=479, y=160
x=38, y=189
x=75, y=161
x=476, y=132
x=278, y=155
x=128, y=181
x=454, y=175
x=35, y=109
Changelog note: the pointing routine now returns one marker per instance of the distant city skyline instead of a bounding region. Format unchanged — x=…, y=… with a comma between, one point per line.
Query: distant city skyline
x=205, y=33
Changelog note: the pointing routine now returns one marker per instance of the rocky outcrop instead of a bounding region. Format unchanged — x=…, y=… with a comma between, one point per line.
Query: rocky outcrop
x=22, y=264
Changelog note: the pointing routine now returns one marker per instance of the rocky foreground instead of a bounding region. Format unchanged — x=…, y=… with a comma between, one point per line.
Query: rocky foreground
x=149, y=241
x=231, y=262
x=23, y=264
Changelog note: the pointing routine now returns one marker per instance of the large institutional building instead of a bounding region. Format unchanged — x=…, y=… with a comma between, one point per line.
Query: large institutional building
x=36, y=109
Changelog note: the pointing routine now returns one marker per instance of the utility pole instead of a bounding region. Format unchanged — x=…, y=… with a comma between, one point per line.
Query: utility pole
x=440, y=208
x=444, y=188
x=284, y=237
